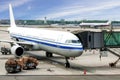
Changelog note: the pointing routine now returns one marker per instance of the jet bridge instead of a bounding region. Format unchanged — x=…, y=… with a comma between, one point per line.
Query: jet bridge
x=96, y=38
x=90, y=39
x=104, y=40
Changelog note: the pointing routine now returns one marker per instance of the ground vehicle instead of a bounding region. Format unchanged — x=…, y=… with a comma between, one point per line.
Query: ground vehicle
x=5, y=51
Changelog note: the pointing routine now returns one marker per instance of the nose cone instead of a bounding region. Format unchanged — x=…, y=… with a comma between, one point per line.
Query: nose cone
x=79, y=53
x=78, y=50
x=76, y=53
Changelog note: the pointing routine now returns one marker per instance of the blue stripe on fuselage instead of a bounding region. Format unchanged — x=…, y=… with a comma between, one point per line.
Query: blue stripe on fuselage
x=48, y=44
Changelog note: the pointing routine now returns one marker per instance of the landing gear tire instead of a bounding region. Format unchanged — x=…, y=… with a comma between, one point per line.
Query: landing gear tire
x=67, y=65
x=48, y=54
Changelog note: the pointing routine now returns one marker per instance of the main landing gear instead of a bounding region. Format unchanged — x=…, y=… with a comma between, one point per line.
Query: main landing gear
x=67, y=64
x=48, y=54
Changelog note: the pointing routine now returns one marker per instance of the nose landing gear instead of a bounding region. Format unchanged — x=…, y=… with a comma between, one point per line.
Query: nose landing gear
x=67, y=64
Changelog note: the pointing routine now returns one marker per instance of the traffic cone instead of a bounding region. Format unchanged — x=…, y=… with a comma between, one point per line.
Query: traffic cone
x=85, y=72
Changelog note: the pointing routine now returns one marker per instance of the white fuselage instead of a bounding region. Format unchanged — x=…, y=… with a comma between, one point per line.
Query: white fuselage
x=95, y=24
x=59, y=42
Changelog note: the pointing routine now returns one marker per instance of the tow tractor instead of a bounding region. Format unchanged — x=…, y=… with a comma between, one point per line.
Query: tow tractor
x=5, y=51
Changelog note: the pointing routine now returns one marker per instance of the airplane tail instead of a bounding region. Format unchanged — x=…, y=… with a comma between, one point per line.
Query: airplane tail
x=109, y=22
x=12, y=20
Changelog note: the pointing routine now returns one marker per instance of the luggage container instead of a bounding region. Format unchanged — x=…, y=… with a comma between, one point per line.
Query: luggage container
x=17, y=65
x=29, y=63
x=13, y=65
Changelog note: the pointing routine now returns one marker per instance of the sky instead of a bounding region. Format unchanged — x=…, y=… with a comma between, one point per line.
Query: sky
x=62, y=9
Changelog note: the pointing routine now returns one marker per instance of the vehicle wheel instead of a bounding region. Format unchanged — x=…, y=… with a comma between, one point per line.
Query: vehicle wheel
x=20, y=70
x=2, y=53
x=112, y=64
x=8, y=71
x=25, y=68
x=5, y=53
x=34, y=67
x=10, y=52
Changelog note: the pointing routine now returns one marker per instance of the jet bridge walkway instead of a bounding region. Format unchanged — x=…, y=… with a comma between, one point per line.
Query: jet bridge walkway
x=97, y=38
x=105, y=40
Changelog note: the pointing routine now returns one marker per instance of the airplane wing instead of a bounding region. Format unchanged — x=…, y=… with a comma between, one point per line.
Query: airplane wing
x=17, y=42
x=4, y=31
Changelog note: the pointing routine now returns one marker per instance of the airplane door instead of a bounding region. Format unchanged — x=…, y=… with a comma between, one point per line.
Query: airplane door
x=59, y=39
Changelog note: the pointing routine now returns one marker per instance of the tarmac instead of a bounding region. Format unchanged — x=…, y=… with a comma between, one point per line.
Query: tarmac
x=87, y=66
x=60, y=77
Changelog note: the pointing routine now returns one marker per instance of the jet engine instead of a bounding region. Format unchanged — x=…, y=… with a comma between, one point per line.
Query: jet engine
x=17, y=50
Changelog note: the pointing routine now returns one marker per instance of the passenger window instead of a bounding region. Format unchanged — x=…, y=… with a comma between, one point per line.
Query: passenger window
x=68, y=41
x=72, y=41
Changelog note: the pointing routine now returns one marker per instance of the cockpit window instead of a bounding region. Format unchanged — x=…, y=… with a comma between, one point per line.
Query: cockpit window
x=72, y=41
x=75, y=41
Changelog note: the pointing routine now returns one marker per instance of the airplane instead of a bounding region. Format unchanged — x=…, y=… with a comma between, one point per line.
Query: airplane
x=58, y=42
x=95, y=24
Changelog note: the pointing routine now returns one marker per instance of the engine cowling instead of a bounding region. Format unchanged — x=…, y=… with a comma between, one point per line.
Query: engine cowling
x=17, y=50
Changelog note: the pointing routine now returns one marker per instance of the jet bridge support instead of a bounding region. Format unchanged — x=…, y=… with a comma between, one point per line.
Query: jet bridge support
x=113, y=64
